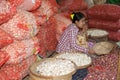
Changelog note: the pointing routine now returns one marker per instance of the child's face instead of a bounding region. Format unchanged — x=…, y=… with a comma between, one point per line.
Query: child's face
x=81, y=23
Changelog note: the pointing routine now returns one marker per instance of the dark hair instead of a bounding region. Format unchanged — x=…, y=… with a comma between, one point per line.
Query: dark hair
x=77, y=16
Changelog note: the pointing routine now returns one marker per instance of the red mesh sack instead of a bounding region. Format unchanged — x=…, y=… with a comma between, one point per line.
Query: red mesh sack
x=20, y=50
x=26, y=4
x=21, y=26
x=104, y=24
x=114, y=36
x=47, y=9
x=30, y=4
x=105, y=12
x=3, y=58
x=5, y=39
x=6, y=11
x=104, y=67
x=47, y=36
x=17, y=71
x=72, y=5
x=62, y=23
x=3, y=76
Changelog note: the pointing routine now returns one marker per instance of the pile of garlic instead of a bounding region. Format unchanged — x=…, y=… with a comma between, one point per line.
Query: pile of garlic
x=97, y=32
x=55, y=67
x=79, y=59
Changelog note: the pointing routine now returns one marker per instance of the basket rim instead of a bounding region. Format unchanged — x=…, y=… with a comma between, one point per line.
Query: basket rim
x=49, y=77
x=78, y=67
x=97, y=36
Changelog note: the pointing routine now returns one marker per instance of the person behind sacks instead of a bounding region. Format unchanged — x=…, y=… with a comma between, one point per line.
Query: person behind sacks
x=67, y=41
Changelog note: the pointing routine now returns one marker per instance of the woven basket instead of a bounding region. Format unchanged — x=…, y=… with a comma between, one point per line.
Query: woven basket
x=78, y=67
x=99, y=1
x=98, y=38
x=103, y=48
x=36, y=76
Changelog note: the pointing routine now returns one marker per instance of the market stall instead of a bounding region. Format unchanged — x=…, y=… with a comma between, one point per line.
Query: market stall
x=30, y=31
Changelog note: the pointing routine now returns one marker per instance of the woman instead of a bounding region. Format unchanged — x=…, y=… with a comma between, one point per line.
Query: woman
x=67, y=42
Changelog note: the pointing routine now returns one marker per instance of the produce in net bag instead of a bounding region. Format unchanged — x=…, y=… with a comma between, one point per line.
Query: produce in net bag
x=62, y=23
x=47, y=36
x=3, y=58
x=21, y=26
x=6, y=11
x=104, y=11
x=114, y=35
x=80, y=59
x=47, y=9
x=30, y=4
x=72, y=5
x=17, y=71
x=104, y=24
x=26, y=4
x=5, y=39
x=20, y=50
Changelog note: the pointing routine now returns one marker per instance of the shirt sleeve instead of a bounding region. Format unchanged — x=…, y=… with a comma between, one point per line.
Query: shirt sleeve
x=73, y=35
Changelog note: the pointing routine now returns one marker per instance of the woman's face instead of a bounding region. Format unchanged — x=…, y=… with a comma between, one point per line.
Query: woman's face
x=81, y=23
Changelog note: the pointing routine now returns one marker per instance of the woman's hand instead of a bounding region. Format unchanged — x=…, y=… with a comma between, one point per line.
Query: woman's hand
x=91, y=51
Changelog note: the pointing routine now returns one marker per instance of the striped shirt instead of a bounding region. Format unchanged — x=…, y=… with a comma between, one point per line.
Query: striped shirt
x=67, y=42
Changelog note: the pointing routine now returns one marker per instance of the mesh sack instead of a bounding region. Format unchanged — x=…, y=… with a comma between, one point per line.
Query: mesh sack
x=114, y=36
x=47, y=36
x=30, y=4
x=104, y=67
x=104, y=24
x=47, y=9
x=16, y=2
x=6, y=11
x=3, y=58
x=21, y=50
x=18, y=71
x=21, y=26
x=105, y=12
x=5, y=39
x=62, y=23
x=72, y=5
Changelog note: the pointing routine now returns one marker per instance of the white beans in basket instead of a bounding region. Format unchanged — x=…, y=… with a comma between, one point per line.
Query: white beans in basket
x=56, y=67
x=79, y=59
x=97, y=32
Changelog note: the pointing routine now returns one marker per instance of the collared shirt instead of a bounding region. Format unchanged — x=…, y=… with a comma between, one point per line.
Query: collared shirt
x=67, y=42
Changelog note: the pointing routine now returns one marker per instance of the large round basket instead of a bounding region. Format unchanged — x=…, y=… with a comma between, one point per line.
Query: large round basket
x=97, y=38
x=103, y=47
x=36, y=76
x=78, y=67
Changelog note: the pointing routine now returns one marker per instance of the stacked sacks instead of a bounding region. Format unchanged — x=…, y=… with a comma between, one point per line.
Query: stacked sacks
x=21, y=26
x=62, y=21
x=105, y=17
x=26, y=4
x=47, y=36
x=47, y=9
x=72, y=5
x=17, y=71
x=6, y=11
x=20, y=32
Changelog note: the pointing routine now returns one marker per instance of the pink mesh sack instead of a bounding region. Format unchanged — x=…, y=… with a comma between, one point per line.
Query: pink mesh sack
x=104, y=24
x=3, y=58
x=105, y=12
x=26, y=4
x=47, y=36
x=114, y=35
x=21, y=26
x=73, y=5
x=62, y=23
x=17, y=71
x=47, y=9
x=6, y=11
x=5, y=39
x=20, y=50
